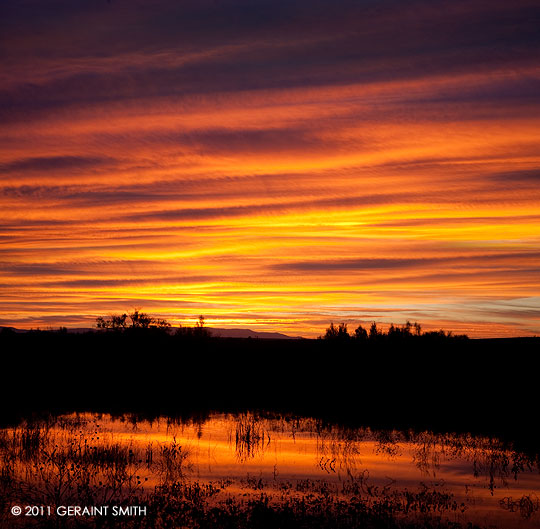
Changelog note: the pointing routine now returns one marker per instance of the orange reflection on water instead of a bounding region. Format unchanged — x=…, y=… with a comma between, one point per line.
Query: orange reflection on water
x=481, y=480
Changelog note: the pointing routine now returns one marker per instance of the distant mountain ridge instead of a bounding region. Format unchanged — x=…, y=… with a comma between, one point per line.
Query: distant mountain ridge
x=217, y=332
x=248, y=333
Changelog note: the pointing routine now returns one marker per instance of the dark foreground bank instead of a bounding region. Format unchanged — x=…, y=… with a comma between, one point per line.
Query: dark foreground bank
x=481, y=386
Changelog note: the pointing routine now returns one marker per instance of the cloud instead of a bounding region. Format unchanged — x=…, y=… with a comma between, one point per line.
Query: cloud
x=458, y=264
x=353, y=264
x=261, y=208
x=512, y=178
x=54, y=163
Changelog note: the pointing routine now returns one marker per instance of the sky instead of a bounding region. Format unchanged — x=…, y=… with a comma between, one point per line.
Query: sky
x=273, y=165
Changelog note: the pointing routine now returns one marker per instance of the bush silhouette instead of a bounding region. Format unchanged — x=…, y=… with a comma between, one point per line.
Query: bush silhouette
x=137, y=320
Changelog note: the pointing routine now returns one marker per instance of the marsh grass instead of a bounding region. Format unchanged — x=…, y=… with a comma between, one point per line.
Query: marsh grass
x=250, y=436
x=83, y=463
x=306, y=504
x=173, y=461
x=73, y=467
x=526, y=506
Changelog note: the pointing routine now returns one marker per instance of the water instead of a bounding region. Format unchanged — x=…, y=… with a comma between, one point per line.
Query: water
x=81, y=458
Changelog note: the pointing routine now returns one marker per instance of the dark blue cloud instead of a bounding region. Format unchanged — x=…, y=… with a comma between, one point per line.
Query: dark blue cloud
x=460, y=265
x=278, y=44
x=262, y=208
x=524, y=176
x=54, y=163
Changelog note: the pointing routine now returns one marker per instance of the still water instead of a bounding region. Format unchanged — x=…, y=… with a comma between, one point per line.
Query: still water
x=456, y=477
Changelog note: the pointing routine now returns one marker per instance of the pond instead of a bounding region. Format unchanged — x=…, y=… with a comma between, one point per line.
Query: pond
x=230, y=464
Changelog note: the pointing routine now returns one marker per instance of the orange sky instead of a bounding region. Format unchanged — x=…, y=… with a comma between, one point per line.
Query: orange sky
x=270, y=178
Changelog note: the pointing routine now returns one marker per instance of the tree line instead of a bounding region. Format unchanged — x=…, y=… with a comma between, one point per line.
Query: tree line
x=137, y=320
x=394, y=333
x=132, y=320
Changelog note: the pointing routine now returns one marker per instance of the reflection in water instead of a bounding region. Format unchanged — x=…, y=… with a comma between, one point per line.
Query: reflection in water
x=94, y=459
x=250, y=437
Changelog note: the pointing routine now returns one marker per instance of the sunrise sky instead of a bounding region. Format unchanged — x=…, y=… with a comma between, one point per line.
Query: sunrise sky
x=271, y=164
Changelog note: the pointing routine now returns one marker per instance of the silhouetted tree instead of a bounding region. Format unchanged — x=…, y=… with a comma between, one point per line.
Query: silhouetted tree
x=400, y=333
x=374, y=333
x=114, y=322
x=139, y=320
x=199, y=328
x=360, y=333
x=406, y=329
x=337, y=333
x=331, y=332
x=199, y=331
